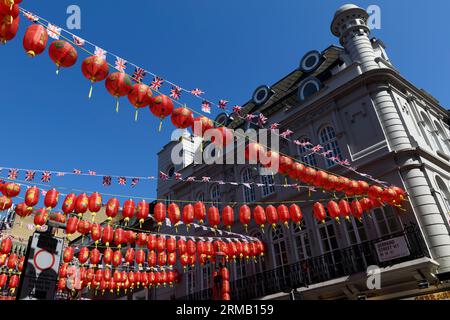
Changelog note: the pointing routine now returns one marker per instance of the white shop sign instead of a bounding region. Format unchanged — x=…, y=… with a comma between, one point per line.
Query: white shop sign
x=392, y=249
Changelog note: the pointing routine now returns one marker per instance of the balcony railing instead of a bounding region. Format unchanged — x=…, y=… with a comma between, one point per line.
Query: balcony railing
x=332, y=265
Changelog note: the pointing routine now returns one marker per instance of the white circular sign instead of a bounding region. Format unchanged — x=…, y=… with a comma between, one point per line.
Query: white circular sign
x=44, y=260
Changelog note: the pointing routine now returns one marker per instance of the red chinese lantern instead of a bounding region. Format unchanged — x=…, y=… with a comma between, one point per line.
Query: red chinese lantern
x=341, y=183
x=171, y=244
x=309, y=176
x=366, y=204
x=259, y=215
x=161, y=243
x=272, y=216
x=174, y=215
x=21, y=264
x=8, y=30
x=201, y=125
x=96, y=233
x=401, y=194
x=118, y=85
x=63, y=54
x=222, y=137
x=285, y=165
x=330, y=183
x=6, y=246
x=200, y=212
x=321, y=179
x=5, y=203
x=107, y=235
x=191, y=247
x=200, y=248
x=363, y=188
x=182, y=246
x=253, y=152
x=151, y=259
x=83, y=255
x=51, y=199
x=11, y=190
x=22, y=210
x=388, y=196
x=95, y=69
x=129, y=256
x=228, y=217
x=58, y=217
x=130, y=237
x=13, y=283
x=84, y=227
x=128, y=210
x=283, y=215
x=192, y=260
x=297, y=171
x=119, y=237
x=161, y=106
x=151, y=242
x=140, y=97
x=182, y=118
x=81, y=204
x=117, y=258
x=352, y=188
x=112, y=208
x=375, y=192
x=319, y=212
x=95, y=257
x=344, y=209
x=72, y=225
x=107, y=257
x=162, y=258
x=68, y=254
x=140, y=257
x=142, y=212
x=142, y=240
x=272, y=161
x=12, y=262
x=245, y=216
x=213, y=217
x=188, y=215
x=3, y=280
x=333, y=210
x=9, y=11
x=296, y=214
x=95, y=204
x=68, y=205
x=40, y=218
x=35, y=40
x=357, y=209
x=160, y=213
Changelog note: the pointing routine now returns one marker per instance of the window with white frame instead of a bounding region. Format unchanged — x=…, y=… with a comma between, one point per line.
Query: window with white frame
x=386, y=221
x=356, y=231
x=279, y=246
x=330, y=143
x=442, y=137
x=241, y=269
x=249, y=193
x=215, y=196
x=431, y=136
x=305, y=154
x=268, y=188
x=302, y=241
x=444, y=193
x=328, y=237
x=207, y=276
x=191, y=279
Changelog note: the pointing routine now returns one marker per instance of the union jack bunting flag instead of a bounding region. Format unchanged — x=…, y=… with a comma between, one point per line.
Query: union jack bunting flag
x=53, y=31
x=163, y=176
x=274, y=126
x=316, y=148
x=121, y=64
x=76, y=171
x=139, y=75
x=206, y=179
x=31, y=17
x=46, y=176
x=178, y=176
x=237, y=109
x=345, y=162
x=197, y=92
x=134, y=182
x=206, y=106
x=286, y=134
x=190, y=179
x=249, y=117
x=175, y=93
x=99, y=52
x=122, y=181
x=156, y=83
x=12, y=174
x=29, y=175
x=78, y=41
x=262, y=120
x=223, y=104
x=106, y=181
x=92, y=173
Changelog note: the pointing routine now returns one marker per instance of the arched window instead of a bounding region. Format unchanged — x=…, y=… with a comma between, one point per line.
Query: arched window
x=279, y=246
x=268, y=187
x=302, y=241
x=304, y=154
x=442, y=138
x=249, y=193
x=171, y=171
x=215, y=196
x=444, y=193
x=200, y=197
x=330, y=143
x=386, y=221
x=431, y=136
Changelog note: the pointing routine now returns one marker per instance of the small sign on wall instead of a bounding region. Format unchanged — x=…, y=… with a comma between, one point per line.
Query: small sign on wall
x=392, y=249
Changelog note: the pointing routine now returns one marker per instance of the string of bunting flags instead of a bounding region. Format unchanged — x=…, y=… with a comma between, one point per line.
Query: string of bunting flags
x=157, y=83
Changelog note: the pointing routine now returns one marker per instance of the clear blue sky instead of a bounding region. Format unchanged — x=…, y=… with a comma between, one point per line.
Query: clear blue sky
x=226, y=48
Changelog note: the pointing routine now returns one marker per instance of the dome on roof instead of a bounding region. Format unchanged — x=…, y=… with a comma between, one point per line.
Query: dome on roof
x=345, y=7
x=347, y=10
